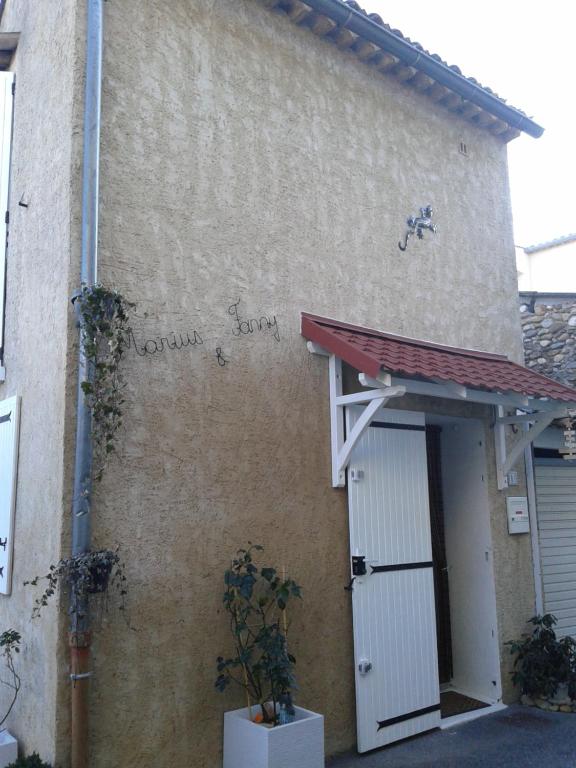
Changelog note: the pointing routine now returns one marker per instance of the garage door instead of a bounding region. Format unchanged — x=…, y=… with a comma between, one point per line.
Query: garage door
x=556, y=505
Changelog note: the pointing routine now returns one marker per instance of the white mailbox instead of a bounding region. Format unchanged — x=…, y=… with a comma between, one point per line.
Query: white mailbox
x=518, y=520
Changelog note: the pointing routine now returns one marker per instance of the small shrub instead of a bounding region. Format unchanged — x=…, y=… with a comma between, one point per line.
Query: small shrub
x=543, y=662
x=32, y=761
x=255, y=600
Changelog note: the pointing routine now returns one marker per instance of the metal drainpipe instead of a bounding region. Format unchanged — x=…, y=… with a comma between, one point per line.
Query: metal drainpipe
x=534, y=540
x=79, y=638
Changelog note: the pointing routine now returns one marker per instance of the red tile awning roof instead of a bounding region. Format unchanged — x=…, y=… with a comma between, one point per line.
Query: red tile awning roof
x=373, y=352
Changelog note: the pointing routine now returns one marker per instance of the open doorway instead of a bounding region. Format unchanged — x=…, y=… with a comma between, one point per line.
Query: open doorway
x=468, y=657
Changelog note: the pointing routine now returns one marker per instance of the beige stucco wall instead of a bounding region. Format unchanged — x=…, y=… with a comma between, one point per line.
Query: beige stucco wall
x=243, y=159
x=41, y=249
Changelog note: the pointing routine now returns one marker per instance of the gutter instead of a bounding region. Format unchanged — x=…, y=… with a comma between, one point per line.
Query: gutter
x=80, y=638
x=366, y=28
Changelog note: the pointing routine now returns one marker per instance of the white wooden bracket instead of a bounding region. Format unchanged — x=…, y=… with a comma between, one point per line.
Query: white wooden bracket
x=506, y=458
x=341, y=447
x=386, y=385
x=374, y=400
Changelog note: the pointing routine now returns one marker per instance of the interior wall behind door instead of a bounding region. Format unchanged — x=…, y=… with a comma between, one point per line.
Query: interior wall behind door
x=473, y=618
x=437, y=530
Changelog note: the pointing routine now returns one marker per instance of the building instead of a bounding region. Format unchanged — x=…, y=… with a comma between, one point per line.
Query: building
x=258, y=164
x=549, y=333
x=548, y=267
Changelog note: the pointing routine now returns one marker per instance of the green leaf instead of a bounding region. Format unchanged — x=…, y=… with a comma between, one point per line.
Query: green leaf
x=268, y=573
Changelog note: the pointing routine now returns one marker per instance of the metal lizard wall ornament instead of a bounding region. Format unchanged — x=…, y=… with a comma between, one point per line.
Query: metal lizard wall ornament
x=417, y=225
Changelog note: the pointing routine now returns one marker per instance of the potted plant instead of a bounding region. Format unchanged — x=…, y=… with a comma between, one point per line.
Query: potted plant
x=9, y=647
x=545, y=666
x=87, y=574
x=270, y=731
x=31, y=761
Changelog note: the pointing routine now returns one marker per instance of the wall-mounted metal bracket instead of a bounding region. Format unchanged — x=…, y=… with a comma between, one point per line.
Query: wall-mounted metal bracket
x=80, y=676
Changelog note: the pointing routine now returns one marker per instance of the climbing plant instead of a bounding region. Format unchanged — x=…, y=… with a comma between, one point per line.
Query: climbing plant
x=84, y=575
x=103, y=316
x=9, y=647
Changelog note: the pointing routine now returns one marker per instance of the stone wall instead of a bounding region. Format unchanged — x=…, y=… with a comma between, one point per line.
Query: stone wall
x=550, y=340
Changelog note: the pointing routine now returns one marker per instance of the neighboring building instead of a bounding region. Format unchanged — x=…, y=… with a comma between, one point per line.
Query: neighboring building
x=549, y=331
x=259, y=161
x=548, y=267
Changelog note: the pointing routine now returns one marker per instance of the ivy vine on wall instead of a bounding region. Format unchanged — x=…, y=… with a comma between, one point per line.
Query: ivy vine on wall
x=104, y=324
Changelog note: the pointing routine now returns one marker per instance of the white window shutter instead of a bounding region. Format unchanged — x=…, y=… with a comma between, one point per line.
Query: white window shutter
x=9, y=429
x=6, y=108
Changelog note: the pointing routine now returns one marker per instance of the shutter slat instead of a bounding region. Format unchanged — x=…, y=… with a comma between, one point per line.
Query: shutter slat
x=9, y=429
x=6, y=109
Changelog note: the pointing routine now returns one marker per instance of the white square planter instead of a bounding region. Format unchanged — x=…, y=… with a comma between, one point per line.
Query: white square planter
x=8, y=749
x=295, y=745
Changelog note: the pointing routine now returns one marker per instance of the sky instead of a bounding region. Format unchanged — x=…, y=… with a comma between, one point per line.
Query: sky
x=523, y=50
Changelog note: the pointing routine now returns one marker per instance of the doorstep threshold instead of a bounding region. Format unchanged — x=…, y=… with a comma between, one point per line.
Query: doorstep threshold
x=465, y=717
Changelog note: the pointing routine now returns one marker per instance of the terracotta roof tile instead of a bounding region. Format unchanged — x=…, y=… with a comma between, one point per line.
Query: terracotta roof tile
x=378, y=19
x=372, y=352
x=409, y=62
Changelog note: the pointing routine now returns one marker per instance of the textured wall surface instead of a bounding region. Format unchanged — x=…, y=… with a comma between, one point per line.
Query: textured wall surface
x=251, y=171
x=37, y=321
x=550, y=340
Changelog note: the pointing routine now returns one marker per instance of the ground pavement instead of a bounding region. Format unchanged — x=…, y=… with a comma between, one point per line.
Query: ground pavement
x=516, y=737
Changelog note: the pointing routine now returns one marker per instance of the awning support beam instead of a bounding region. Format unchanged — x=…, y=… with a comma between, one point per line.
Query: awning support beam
x=452, y=391
x=362, y=425
x=545, y=412
x=505, y=459
x=341, y=449
x=386, y=386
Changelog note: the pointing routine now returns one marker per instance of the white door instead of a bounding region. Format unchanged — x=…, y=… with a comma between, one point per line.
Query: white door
x=397, y=689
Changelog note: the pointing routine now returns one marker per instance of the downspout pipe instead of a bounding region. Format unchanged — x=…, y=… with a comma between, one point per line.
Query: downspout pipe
x=81, y=533
x=82, y=495
x=365, y=27
x=534, y=540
